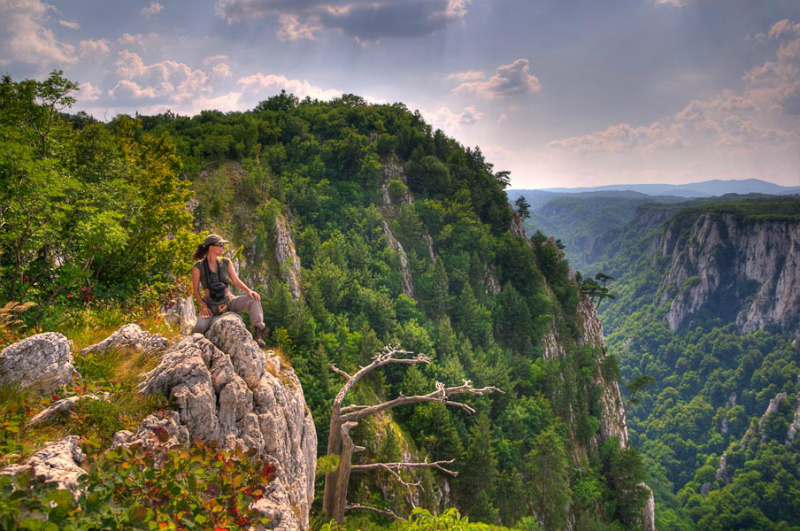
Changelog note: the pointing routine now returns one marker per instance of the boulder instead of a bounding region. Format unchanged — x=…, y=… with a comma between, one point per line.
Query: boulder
x=180, y=313
x=58, y=462
x=61, y=408
x=229, y=391
x=154, y=430
x=42, y=362
x=132, y=337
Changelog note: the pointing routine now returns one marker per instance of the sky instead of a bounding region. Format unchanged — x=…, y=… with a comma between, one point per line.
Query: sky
x=562, y=93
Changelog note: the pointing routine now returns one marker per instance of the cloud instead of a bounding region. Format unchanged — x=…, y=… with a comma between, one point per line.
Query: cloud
x=69, y=24
x=88, y=92
x=215, y=59
x=449, y=121
x=28, y=40
x=261, y=84
x=621, y=137
x=153, y=9
x=93, y=48
x=469, y=75
x=138, y=39
x=776, y=83
x=675, y=3
x=171, y=79
x=292, y=29
x=512, y=79
x=220, y=71
x=367, y=21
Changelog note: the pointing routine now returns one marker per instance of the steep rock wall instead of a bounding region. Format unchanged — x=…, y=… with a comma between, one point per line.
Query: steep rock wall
x=749, y=268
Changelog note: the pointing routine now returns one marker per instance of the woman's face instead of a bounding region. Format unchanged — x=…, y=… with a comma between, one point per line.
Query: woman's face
x=216, y=249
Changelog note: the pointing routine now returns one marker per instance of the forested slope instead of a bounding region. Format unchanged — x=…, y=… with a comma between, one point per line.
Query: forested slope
x=696, y=290
x=394, y=234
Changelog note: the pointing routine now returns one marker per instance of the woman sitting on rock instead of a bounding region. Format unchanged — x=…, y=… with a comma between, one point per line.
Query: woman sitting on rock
x=216, y=274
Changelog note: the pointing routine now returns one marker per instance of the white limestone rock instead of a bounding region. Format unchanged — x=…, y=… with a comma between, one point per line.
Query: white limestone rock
x=229, y=391
x=61, y=408
x=130, y=336
x=180, y=313
x=43, y=362
x=58, y=462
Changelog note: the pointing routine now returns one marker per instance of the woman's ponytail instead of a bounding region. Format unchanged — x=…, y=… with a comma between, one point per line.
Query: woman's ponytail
x=200, y=252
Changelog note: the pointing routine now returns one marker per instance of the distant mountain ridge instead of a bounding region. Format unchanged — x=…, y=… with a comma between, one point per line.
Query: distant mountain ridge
x=690, y=190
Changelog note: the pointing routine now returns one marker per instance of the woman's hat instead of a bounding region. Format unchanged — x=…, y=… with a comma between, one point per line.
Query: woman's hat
x=211, y=239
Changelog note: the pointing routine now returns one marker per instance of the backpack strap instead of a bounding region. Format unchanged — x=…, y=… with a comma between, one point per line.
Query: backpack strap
x=206, y=268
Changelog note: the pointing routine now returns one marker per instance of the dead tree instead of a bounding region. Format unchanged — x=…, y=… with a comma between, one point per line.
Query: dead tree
x=343, y=419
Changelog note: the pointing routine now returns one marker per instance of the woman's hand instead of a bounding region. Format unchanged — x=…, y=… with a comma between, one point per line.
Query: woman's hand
x=254, y=295
x=204, y=313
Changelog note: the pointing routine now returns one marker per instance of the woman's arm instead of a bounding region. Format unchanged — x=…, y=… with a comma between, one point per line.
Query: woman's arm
x=204, y=311
x=238, y=282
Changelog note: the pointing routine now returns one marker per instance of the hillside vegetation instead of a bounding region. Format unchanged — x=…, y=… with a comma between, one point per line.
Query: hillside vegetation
x=97, y=215
x=713, y=384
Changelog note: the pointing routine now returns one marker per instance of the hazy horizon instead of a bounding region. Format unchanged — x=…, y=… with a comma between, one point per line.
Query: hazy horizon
x=562, y=94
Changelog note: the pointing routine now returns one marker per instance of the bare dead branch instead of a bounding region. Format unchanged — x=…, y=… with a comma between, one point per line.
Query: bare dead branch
x=386, y=466
x=384, y=512
x=354, y=413
x=340, y=372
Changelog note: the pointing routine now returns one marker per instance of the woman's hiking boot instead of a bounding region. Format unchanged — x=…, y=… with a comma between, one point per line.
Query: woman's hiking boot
x=258, y=336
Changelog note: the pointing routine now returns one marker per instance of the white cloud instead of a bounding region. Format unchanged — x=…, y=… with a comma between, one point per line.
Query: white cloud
x=270, y=83
x=621, y=137
x=93, y=48
x=69, y=24
x=153, y=9
x=510, y=80
x=675, y=3
x=220, y=71
x=469, y=75
x=177, y=81
x=139, y=39
x=450, y=122
x=88, y=92
x=292, y=29
x=215, y=59
x=776, y=83
x=29, y=41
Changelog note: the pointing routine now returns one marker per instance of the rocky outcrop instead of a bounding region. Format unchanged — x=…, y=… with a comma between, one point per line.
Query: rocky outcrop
x=612, y=420
x=60, y=409
x=58, y=462
x=229, y=392
x=405, y=272
x=287, y=258
x=166, y=431
x=43, y=362
x=751, y=268
x=180, y=313
x=130, y=337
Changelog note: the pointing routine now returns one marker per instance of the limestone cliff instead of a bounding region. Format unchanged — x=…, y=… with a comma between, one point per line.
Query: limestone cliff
x=747, y=270
x=229, y=392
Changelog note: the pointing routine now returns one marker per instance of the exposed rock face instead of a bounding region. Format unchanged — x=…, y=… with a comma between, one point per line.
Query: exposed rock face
x=130, y=336
x=794, y=427
x=750, y=267
x=152, y=431
x=612, y=420
x=229, y=392
x=58, y=462
x=517, y=228
x=286, y=255
x=42, y=362
x=408, y=284
x=61, y=408
x=180, y=313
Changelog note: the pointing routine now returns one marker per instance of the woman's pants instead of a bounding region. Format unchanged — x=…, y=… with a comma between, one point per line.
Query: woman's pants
x=242, y=303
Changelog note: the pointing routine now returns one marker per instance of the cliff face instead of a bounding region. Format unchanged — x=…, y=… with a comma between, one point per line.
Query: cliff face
x=747, y=270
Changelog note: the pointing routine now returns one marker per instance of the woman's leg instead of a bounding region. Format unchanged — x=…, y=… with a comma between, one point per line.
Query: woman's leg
x=243, y=303
x=202, y=324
